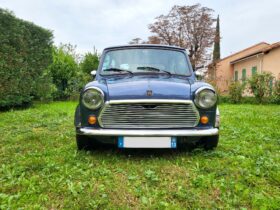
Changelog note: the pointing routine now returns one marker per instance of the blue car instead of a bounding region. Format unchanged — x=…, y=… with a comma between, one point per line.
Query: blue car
x=146, y=96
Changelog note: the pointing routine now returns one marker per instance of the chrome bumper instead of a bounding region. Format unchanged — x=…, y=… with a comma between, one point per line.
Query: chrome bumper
x=141, y=132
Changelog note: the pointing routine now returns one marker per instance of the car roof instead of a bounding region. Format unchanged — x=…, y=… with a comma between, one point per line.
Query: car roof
x=155, y=46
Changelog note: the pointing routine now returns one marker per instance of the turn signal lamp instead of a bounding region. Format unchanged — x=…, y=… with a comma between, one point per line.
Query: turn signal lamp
x=204, y=120
x=92, y=120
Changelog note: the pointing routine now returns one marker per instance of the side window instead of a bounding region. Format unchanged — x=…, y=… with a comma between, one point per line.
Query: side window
x=236, y=76
x=254, y=70
x=243, y=75
x=106, y=62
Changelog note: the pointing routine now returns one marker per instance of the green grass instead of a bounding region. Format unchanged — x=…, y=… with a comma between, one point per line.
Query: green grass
x=41, y=169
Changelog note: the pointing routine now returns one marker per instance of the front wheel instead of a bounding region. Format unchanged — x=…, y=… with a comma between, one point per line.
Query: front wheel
x=83, y=142
x=209, y=142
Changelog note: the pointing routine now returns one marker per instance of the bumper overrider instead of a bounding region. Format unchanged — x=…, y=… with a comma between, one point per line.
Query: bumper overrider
x=142, y=132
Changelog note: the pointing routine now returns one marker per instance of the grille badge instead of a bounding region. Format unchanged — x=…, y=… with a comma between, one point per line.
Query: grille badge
x=149, y=92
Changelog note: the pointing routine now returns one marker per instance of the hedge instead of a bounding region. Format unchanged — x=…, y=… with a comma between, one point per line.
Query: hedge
x=24, y=54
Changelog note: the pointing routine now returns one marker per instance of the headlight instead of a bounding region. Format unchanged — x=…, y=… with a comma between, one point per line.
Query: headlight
x=205, y=98
x=93, y=98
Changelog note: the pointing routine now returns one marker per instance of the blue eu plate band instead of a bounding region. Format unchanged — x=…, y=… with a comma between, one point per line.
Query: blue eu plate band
x=173, y=142
x=120, y=142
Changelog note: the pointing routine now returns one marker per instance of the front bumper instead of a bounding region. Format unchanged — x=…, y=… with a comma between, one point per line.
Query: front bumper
x=142, y=132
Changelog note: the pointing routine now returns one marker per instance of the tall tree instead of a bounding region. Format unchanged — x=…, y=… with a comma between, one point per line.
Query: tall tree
x=190, y=27
x=216, y=51
x=153, y=40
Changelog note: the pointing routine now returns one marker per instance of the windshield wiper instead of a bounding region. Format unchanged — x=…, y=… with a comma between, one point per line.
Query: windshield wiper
x=117, y=70
x=150, y=68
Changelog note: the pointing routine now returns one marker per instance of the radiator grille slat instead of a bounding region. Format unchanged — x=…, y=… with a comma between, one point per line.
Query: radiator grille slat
x=149, y=115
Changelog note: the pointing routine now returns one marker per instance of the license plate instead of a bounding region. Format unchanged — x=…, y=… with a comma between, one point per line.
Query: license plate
x=146, y=142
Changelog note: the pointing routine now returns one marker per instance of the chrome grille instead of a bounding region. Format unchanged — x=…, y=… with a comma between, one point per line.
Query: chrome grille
x=149, y=114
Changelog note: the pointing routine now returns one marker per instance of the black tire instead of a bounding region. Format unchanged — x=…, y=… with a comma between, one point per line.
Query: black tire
x=209, y=142
x=84, y=142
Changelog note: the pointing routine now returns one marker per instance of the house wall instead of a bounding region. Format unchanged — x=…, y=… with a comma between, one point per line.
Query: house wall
x=248, y=64
x=271, y=62
x=225, y=71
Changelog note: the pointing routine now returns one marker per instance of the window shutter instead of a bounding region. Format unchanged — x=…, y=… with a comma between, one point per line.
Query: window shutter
x=243, y=75
x=254, y=70
x=236, y=76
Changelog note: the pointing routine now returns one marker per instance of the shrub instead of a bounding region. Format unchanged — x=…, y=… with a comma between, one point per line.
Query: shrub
x=214, y=84
x=235, y=91
x=45, y=88
x=76, y=84
x=224, y=99
x=63, y=69
x=260, y=86
x=275, y=98
x=90, y=62
x=24, y=54
x=67, y=75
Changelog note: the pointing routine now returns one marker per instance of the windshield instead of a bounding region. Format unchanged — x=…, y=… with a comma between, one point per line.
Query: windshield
x=145, y=60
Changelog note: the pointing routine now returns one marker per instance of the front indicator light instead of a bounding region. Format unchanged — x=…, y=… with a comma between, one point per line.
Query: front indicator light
x=204, y=119
x=92, y=120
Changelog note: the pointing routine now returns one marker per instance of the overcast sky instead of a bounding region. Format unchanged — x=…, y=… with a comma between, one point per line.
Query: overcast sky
x=102, y=23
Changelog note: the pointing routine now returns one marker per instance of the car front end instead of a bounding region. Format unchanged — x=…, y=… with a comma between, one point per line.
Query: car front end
x=147, y=111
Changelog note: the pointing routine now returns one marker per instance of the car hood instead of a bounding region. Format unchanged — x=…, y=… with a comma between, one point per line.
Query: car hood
x=162, y=87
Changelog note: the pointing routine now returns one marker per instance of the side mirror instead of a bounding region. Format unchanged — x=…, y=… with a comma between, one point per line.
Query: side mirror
x=93, y=72
x=197, y=73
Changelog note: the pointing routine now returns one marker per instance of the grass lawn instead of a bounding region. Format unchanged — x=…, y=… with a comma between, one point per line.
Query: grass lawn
x=40, y=167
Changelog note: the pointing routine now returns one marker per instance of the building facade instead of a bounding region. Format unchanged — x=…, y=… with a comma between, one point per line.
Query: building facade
x=239, y=66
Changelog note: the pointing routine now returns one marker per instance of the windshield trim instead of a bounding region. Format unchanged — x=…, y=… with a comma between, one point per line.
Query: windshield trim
x=99, y=71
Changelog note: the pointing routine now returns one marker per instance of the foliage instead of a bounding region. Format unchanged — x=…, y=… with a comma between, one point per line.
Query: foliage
x=64, y=70
x=45, y=89
x=217, y=40
x=76, y=84
x=136, y=40
x=90, y=62
x=151, y=40
x=214, y=84
x=260, y=85
x=41, y=169
x=275, y=98
x=24, y=54
x=235, y=91
x=190, y=27
x=245, y=100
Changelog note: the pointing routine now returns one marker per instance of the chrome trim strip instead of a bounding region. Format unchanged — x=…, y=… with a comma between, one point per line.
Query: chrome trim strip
x=136, y=101
x=140, y=132
x=217, y=120
x=95, y=88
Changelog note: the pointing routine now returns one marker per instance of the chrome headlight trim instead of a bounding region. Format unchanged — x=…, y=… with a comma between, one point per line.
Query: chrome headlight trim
x=197, y=99
x=101, y=96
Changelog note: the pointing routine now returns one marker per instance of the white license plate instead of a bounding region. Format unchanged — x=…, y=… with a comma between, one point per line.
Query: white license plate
x=146, y=142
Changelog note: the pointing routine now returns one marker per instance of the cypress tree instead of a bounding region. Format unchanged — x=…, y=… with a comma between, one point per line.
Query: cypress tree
x=216, y=51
